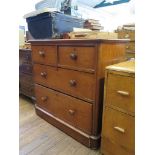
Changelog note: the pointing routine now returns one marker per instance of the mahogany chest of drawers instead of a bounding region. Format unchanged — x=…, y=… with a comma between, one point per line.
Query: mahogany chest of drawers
x=118, y=123
x=26, y=85
x=69, y=77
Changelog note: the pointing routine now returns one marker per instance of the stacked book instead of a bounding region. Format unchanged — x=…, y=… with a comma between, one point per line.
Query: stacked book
x=92, y=24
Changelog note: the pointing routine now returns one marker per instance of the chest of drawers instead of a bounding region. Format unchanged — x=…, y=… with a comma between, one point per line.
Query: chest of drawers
x=118, y=124
x=69, y=77
x=26, y=85
x=130, y=48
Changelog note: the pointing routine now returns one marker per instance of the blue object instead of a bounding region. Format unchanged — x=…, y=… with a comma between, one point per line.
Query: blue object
x=52, y=25
x=104, y=3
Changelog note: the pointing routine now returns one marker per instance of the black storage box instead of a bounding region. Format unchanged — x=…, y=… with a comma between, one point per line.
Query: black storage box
x=52, y=25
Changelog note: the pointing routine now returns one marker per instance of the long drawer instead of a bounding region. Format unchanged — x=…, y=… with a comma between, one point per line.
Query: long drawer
x=120, y=92
x=73, y=111
x=118, y=132
x=44, y=55
x=78, y=84
x=77, y=57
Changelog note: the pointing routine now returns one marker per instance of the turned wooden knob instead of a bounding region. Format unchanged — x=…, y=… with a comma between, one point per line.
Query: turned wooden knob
x=44, y=98
x=43, y=74
x=72, y=83
x=42, y=53
x=127, y=47
x=127, y=35
x=72, y=112
x=73, y=56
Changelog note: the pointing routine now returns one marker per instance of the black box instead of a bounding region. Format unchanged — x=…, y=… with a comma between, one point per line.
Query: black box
x=52, y=25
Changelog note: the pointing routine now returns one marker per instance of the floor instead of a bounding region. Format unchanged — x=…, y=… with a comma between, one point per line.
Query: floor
x=37, y=137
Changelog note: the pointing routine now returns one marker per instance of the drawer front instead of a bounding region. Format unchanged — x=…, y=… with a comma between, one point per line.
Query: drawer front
x=130, y=55
x=119, y=129
x=130, y=46
x=25, y=68
x=26, y=89
x=69, y=109
x=44, y=55
x=126, y=35
x=25, y=56
x=78, y=84
x=108, y=147
x=77, y=57
x=25, y=78
x=120, y=92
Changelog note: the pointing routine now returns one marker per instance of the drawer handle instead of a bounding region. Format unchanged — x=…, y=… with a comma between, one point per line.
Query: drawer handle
x=72, y=112
x=42, y=53
x=124, y=93
x=44, y=98
x=72, y=83
x=43, y=74
x=73, y=56
x=127, y=47
x=127, y=36
x=119, y=129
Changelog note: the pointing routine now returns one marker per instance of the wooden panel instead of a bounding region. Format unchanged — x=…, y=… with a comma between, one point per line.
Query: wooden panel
x=73, y=111
x=44, y=55
x=78, y=84
x=120, y=92
x=109, y=53
x=119, y=129
x=77, y=57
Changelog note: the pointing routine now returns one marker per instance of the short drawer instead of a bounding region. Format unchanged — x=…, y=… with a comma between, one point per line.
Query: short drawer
x=120, y=92
x=44, y=54
x=25, y=68
x=69, y=109
x=126, y=35
x=25, y=56
x=118, y=132
x=77, y=57
x=130, y=46
x=77, y=84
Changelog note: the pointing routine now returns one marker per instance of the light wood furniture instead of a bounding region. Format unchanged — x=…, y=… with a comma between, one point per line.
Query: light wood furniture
x=69, y=77
x=118, y=123
x=26, y=84
x=128, y=34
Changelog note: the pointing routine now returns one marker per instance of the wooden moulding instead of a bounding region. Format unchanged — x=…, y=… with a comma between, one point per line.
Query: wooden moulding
x=92, y=142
